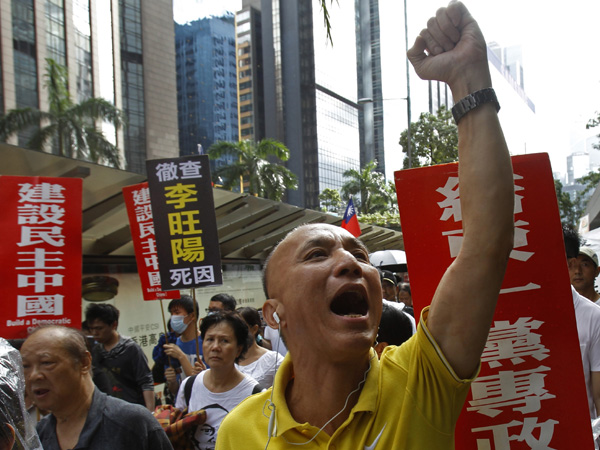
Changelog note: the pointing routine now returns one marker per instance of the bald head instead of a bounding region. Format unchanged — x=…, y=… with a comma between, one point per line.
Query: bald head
x=70, y=340
x=295, y=238
x=57, y=368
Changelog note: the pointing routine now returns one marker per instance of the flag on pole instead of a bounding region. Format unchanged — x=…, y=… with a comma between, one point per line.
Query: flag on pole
x=350, y=221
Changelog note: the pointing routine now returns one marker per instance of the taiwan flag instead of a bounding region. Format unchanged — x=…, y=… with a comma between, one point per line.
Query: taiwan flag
x=350, y=221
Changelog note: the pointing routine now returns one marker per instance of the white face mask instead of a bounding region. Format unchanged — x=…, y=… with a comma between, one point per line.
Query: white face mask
x=178, y=324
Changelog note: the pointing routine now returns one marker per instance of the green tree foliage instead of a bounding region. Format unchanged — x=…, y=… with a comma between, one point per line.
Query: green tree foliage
x=590, y=181
x=390, y=196
x=263, y=177
x=370, y=188
x=326, y=20
x=387, y=219
x=434, y=139
x=331, y=201
x=570, y=210
x=592, y=123
x=68, y=127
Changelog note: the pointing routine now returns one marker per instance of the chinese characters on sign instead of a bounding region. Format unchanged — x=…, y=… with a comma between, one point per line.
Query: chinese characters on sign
x=185, y=223
x=519, y=400
x=139, y=210
x=40, y=253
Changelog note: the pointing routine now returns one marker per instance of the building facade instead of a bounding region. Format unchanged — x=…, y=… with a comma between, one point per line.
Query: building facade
x=310, y=91
x=370, y=89
x=251, y=104
x=109, y=52
x=206, y=83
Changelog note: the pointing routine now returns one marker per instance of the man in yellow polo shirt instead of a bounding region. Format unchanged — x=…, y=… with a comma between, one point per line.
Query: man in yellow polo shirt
x=325, y=298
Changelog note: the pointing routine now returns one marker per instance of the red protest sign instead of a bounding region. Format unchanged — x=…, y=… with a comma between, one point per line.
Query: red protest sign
x=40, y=253
x=519, y=400
x=139, y=211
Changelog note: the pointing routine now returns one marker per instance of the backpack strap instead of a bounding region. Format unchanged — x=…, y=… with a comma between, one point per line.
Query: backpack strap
x=187, y=392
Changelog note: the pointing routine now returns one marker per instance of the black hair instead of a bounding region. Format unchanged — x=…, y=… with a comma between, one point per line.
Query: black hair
x=395, y=327
x=104, y=312
x=250, y=316
x=404, y=287
x=572, y=241
x=235, y=321
x=186, y=302
x=228, y=301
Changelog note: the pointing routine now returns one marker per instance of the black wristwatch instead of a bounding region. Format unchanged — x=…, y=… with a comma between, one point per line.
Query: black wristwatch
x=472, y=101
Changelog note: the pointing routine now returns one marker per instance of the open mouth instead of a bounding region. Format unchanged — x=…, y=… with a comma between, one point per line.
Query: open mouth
x=350, y=304
x=40, y=392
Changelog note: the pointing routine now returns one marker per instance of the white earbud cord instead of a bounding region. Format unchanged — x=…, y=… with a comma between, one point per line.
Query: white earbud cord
x=323, y=427
x=269, y=403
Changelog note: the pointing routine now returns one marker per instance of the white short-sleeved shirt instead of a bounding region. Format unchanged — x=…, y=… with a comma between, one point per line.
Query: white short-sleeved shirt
x=216, y=404
x=264, y=368
x=276, y=342
x=587, y=315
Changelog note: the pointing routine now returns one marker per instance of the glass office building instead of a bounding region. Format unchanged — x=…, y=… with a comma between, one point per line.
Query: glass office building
x=207, y=84
x=109, y=52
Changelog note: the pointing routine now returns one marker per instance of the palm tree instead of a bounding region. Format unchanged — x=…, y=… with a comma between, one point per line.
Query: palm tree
x=369, y=185
x=70, y=128
x=264, y=178
x=331, y=200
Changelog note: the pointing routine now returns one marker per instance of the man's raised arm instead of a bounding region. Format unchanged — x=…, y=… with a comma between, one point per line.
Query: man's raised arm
x=452, y=49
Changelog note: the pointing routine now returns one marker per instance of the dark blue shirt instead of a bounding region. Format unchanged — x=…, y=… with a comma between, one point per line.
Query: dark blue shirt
x=111, y=424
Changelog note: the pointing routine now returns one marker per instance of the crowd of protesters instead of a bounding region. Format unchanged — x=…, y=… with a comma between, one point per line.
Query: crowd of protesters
x=347, y=328
x=89, y=388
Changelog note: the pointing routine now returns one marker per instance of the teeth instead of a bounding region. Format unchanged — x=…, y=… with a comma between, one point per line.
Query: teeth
x=353, y=315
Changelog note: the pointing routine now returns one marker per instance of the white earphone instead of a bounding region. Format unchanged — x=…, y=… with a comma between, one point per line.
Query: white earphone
x=276, y=317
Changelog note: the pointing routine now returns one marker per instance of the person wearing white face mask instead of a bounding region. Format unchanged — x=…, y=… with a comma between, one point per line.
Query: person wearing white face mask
x=184, y=361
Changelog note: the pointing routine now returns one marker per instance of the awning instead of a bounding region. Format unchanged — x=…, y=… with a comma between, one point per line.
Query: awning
x=248, y=226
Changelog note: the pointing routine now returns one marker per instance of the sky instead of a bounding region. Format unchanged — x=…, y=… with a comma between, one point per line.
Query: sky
x=560, y=59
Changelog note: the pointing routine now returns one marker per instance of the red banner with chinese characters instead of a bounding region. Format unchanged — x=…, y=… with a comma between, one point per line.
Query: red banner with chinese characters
x=139, y=211
x=40, y=254
x=521, y=398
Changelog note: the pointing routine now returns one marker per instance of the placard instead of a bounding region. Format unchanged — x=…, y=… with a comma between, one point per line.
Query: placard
x=530, y=393
x=184, y=222
x=40, y=253
x=139, y=211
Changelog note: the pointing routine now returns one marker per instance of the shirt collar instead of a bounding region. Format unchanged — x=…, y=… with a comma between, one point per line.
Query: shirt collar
x=367, y=401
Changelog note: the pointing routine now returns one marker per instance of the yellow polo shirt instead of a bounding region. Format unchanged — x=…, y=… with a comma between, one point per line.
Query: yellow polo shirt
x=411, y=399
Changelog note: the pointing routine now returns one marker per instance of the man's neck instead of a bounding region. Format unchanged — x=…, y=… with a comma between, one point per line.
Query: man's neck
x=318, y=403
x=112, y=343
x=76, y=410
x=589, y=293
x=189, y=334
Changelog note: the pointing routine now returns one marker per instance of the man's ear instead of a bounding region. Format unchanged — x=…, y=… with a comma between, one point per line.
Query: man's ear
x=271, y=306
x=86, y=363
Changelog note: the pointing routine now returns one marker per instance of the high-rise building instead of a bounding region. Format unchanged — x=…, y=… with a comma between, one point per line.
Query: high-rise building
x=109, y=52
x=206, y=84
x=310, y=93
x=251, y=104
x=370, y=92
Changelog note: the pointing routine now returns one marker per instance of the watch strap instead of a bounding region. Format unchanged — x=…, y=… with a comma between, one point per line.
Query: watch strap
x=472, y=101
